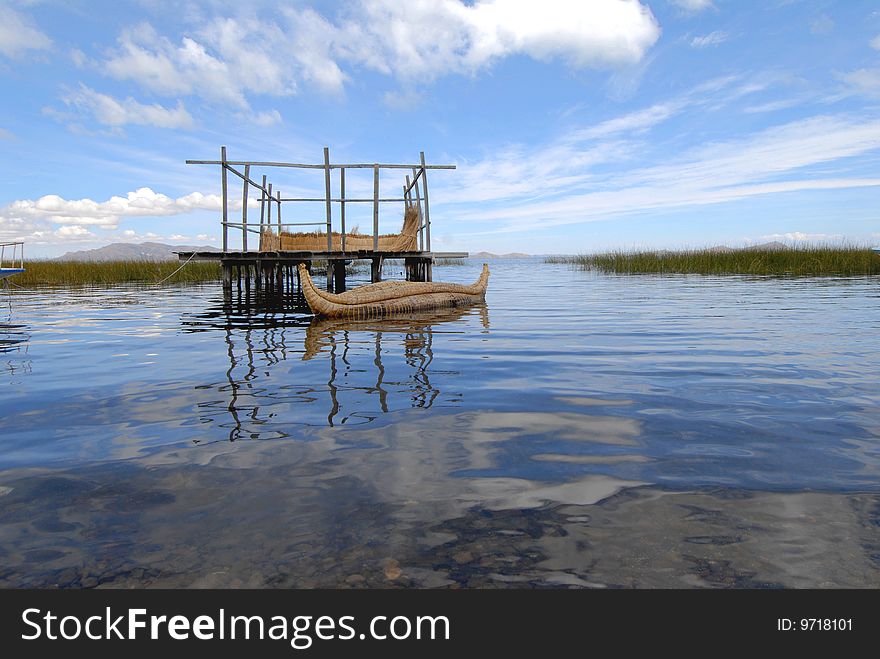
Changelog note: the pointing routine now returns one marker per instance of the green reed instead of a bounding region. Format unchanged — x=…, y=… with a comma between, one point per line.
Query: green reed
x=446, y=261
x=805, y=261
x=84, y=273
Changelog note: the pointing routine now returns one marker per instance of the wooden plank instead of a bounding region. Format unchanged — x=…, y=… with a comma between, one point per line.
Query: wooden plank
x=342, y=206
x=376, y=208
x=223, y=189
x=327, y=197
x=262, y=163
x=244, y=208
x=340, y=199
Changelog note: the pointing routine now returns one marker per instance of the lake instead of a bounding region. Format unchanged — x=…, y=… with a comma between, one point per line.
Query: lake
x=577, y=430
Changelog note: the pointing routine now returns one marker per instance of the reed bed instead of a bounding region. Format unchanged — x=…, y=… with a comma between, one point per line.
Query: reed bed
x=445, y=261
x=86, y=273
x=814, y=260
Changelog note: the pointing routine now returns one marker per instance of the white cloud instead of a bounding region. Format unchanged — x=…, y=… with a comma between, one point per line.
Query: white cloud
x=875, y=42
x=863, y=81
x=265, y=119
x=18, y=34
x=692, y=5
x=143, y=202
x=73, y=231
x=774, y=161
x=711, y=39
x=418, y=39
x=37, y=220
x=231, y=58
x=109, y=111
x=6, y=135
x=802, y=237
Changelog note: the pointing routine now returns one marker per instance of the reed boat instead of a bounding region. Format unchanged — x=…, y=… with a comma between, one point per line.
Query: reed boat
x=386, y=298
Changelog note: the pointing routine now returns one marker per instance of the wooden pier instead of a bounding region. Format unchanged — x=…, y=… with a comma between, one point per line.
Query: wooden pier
x=275, y=270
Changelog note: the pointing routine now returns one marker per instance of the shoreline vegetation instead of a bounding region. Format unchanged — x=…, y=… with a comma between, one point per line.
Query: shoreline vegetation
x=97, y=273
x=811, y=260
x=88, y=273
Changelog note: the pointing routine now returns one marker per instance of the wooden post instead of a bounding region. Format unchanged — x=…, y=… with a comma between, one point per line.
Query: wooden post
x=419, y=205
x=223, y=189
x=427, y=211
x=339, y=277
x=263, y=203
x=327, y=199
x=278, y=197
x=244, y=202
x=342, y=205
x=376, y=209
x=269, y=212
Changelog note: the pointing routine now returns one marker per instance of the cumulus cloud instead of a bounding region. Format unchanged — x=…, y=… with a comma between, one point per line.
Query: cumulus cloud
x=231, y=58
x=711, y=39
x=143, y=202
x=38, y=220
x=116, y=113
x=19, y=35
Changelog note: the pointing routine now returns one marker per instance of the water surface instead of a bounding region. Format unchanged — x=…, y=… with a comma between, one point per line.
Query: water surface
x=576, y=430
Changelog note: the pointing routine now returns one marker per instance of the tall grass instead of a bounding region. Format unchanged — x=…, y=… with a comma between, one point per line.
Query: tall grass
x=449, y=261
x=84, y=273
x=809, y=260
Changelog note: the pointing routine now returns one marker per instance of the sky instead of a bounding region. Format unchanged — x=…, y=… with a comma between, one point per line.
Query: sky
x=575, y=126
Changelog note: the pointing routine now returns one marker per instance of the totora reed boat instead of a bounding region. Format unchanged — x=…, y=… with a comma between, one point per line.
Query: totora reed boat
x=391, y=297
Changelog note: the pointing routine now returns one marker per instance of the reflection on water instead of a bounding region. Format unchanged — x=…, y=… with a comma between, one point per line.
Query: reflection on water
x=599, y=431
x=356, y=383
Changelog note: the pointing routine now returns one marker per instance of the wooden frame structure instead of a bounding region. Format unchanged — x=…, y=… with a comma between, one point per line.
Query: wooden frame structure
x=273, y=268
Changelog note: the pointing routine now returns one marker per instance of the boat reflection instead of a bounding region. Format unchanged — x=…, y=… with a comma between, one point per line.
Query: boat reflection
x=287, y=370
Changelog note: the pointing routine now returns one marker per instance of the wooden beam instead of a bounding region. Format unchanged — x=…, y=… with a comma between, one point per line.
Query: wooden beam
x=427, y=210
x=419, y=205
x=376, y=208
x=244, y=208
x=261, y=163
x=342, y=206
x=223, y=189
x=327, y=198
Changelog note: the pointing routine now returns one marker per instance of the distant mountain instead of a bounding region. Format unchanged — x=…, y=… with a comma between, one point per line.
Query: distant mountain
x=774, y=246
x=133, y=252
x=490, y=255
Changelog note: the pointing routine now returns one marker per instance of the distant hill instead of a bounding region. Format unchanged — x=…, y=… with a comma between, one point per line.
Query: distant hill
x=774, y=246
x=133, y=252
x=490, y=255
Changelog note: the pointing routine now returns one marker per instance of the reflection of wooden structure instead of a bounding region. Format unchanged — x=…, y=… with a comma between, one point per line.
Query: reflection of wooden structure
x=273, y=265
x=387, y=298
x=360, y=355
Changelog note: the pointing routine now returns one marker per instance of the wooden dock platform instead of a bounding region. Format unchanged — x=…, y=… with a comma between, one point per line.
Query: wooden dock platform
x=276, y=271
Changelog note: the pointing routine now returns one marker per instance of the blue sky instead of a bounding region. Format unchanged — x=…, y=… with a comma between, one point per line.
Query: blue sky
x=575, y=126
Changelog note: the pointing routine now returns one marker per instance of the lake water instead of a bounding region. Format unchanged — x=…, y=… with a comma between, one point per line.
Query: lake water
x=578, y=429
